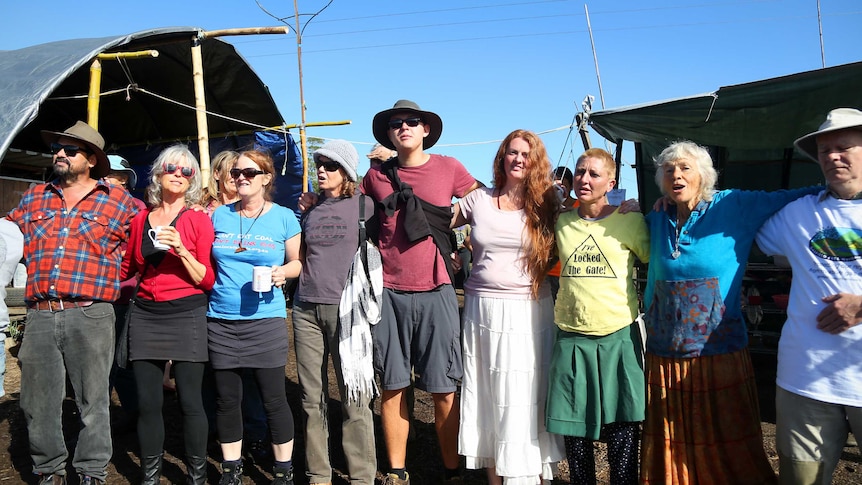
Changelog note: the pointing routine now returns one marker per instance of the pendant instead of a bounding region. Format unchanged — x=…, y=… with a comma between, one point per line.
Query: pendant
x=675, y=253
x=240, y=249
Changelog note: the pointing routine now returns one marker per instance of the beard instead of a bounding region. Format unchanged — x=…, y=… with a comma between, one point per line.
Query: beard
x=67, y=171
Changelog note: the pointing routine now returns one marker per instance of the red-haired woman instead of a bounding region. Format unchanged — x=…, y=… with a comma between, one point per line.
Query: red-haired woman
x=509, y=317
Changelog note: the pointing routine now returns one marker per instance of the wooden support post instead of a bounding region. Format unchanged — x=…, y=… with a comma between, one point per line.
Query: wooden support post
x=201, y=111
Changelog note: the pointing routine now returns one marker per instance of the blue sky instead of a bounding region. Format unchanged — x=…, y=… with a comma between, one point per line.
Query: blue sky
x=486, y=67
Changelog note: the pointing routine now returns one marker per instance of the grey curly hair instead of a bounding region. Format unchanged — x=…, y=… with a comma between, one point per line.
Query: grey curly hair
x=175, y=154
x=698, y=155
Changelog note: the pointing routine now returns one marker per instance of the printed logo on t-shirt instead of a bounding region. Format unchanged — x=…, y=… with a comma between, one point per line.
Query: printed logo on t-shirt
x=587, y=261
x=328, y=231
x=837, y=244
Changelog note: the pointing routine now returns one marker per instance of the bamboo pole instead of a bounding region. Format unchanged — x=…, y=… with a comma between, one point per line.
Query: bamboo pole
x=200, y=94
x=93, y=95
x=243, y=31
x=201, y=111
x=319, y=123
x=128, y=55
x=253, y=130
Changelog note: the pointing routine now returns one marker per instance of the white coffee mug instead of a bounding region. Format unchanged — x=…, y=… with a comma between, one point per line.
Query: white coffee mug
x=261, y=279
x=154, y=237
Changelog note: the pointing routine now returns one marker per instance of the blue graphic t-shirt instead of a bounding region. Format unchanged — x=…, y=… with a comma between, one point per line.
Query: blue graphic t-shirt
x=264, y=242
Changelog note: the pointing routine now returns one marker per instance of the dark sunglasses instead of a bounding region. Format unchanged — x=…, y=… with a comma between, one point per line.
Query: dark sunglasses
x=411, y=122
x=248, y=173
x=71, y=150
x=329, y=166
x=172, y=168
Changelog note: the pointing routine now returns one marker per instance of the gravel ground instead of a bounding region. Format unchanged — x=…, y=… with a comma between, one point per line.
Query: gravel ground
x=423, y=459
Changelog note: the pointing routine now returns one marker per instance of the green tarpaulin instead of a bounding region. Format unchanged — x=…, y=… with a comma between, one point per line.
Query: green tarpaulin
x=749, y=128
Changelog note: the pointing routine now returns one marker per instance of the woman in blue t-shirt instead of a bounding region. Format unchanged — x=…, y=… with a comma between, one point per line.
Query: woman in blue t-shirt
x=247, y=328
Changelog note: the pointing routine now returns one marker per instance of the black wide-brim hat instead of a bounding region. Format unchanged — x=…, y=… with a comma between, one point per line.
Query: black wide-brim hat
x=91, y=138
x=380, y=125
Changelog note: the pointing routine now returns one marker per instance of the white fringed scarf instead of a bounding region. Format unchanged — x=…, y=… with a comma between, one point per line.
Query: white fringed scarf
x=358, y=310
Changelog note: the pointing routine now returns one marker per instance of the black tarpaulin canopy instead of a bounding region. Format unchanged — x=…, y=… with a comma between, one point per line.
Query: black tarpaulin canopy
x=143, y=100
x=144, y=105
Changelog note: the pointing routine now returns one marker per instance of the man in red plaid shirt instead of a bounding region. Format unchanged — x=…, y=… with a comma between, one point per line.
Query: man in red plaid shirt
x=73, y=227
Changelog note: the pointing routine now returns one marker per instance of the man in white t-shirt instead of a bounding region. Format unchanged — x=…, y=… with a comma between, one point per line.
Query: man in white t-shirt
x=819, y=393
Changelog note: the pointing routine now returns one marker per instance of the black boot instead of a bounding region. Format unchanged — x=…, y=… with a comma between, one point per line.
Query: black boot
x=231, y=473
x=282, y=476
x=197, y=470
x=151, y=470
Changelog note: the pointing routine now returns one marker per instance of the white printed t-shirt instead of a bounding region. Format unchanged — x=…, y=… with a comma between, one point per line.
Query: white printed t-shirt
x=822, y=238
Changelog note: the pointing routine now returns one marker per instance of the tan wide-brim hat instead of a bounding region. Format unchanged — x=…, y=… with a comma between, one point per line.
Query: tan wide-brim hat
x=380, y=124
x=91, y=138
x=837, y=119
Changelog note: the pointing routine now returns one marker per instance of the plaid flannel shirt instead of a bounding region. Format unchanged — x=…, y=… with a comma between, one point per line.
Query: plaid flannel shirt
x=74, y=254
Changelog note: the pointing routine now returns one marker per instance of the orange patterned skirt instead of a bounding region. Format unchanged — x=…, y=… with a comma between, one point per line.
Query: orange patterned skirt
x=703, y=422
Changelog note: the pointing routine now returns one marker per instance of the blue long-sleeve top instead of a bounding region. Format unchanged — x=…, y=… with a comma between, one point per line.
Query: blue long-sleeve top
x=693, y=301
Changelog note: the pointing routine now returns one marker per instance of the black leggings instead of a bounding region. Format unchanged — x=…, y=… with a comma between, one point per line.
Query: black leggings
x=151, y=426
x=229, y=410
x=622, y=439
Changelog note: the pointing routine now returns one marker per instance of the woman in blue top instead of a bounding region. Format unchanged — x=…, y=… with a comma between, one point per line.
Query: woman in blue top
x=247, y=329
x=702, y=420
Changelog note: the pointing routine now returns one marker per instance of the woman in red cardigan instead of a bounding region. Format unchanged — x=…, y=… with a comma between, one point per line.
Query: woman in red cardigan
x=169, y=248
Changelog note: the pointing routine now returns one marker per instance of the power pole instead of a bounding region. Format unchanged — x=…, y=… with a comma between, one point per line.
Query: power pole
x=298, y=31
x=302, y=139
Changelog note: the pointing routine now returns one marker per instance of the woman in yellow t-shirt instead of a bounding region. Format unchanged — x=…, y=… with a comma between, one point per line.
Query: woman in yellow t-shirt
x=596, y=384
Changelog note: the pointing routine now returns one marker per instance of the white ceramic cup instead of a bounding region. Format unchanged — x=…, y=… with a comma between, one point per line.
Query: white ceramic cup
x=261, y=279
x=154, y=237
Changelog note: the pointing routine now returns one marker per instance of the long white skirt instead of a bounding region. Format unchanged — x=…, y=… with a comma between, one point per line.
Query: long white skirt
x=506, y=349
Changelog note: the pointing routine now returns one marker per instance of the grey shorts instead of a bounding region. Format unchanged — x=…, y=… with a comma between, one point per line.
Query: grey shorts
x=419, y=330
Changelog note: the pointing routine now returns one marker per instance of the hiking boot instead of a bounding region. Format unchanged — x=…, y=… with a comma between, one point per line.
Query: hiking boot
x=392, y=479
x=231, y=473
x=282, y=476
x=52, y=479
x=88, y=480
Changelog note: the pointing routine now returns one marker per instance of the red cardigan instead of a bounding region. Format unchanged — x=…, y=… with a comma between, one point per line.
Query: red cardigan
x=170, y=280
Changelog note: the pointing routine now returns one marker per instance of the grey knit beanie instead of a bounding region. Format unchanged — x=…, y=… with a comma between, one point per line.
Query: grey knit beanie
x=341, y=151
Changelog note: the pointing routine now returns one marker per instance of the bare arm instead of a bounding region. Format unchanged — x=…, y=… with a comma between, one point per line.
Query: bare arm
x=458, y=218
x=291, y=269
x=475, y=186
x=307, y=200
x=842, y=312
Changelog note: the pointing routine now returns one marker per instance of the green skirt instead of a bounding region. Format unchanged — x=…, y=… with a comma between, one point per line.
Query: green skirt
x=595, y=380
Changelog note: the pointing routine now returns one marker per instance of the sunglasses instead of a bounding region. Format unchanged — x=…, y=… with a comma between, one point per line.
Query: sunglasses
x=329, y=166
x=71, y=150
x=248, y=173
x=411, y=122
x=171, y=168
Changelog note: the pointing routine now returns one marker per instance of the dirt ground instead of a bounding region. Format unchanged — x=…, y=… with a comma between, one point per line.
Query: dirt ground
x=423, y=458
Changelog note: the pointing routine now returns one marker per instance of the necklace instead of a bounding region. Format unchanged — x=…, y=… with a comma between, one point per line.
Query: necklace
x=239, y=248
x=675, y=254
